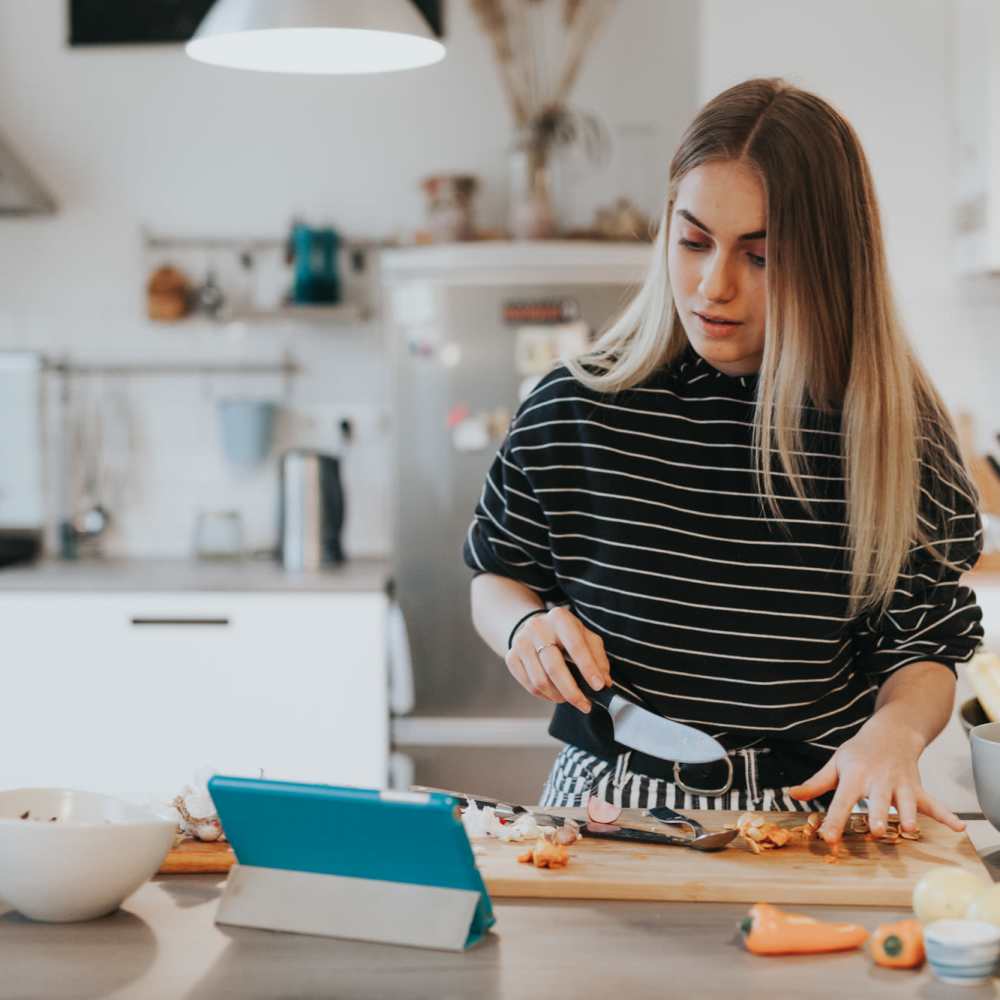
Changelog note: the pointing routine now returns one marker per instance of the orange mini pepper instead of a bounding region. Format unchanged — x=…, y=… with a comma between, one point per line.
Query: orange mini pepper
x=770, y=931
x=899, y=945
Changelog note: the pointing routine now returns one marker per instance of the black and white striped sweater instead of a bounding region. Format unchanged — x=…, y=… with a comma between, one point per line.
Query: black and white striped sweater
x=640, y=511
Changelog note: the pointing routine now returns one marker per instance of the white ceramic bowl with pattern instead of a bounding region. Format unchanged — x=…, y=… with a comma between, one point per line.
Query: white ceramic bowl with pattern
x=964, y=952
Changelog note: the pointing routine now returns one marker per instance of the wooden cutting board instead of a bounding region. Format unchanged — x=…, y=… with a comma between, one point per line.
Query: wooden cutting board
x=198, y=857
x=868, y=874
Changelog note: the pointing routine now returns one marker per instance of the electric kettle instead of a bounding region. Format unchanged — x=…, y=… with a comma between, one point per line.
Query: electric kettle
x=311, y=510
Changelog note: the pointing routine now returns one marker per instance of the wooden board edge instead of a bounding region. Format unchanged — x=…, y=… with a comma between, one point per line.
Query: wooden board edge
x=213, y=867
x=195, y=858
x=674, y=893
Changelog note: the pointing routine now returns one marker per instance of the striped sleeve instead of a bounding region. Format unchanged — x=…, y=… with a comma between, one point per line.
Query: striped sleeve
x=932, y=616
x=509, y=534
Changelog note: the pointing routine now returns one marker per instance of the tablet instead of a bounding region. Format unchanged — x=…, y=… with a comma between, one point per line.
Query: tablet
x=414, y=837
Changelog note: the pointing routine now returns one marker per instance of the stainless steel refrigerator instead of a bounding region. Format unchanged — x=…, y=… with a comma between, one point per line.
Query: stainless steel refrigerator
x=471, y=327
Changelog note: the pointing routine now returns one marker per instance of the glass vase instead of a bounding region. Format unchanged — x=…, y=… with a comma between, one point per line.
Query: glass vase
x=532, y=212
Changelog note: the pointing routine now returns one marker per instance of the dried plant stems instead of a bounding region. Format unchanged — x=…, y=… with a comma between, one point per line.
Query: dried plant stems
x=582, y=32
x=493, y=20
x=518, y=48
x=531, y=31
x=518, y=32
x=570, y=9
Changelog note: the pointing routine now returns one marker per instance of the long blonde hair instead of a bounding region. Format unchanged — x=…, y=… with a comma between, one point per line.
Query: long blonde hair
x=833, y=339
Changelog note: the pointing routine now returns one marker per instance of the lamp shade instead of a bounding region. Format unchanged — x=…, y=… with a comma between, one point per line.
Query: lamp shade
x=315, y=36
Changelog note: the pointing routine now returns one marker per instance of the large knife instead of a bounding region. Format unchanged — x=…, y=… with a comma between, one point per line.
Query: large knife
x=637, y=727
x=601, y=831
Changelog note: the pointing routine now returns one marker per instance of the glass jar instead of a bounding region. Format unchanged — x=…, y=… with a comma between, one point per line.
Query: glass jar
x=450, y=206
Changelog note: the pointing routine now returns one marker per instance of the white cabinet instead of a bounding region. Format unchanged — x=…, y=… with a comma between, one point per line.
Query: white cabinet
x=131, y=693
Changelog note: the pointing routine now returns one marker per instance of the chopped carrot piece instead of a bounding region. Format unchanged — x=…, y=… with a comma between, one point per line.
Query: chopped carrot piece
x=545, y=855
x=899, y=945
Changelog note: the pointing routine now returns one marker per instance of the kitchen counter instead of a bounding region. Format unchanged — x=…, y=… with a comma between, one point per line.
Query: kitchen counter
x=164, y=944
x=191, y=575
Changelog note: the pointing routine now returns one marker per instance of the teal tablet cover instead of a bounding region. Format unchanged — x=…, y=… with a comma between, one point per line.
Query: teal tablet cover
x=354, y=832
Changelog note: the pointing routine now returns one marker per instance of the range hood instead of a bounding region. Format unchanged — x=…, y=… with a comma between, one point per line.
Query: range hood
x=20, y=193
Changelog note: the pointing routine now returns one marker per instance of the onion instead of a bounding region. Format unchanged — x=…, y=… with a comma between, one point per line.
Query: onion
x=946, y=891
x=602, y=812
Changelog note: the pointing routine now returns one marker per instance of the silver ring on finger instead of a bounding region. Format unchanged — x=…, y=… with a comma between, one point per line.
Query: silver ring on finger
x=544, y=646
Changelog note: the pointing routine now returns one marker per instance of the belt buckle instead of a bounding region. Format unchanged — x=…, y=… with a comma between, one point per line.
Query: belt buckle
x=704, y=791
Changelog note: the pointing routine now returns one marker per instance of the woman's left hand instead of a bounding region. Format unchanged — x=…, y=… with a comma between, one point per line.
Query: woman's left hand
x=878, y=764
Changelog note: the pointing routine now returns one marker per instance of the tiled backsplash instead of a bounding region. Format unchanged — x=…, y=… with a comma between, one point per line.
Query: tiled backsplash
x=170, y=464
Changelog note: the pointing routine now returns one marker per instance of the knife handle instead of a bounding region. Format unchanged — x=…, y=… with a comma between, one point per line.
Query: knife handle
x=602, y=697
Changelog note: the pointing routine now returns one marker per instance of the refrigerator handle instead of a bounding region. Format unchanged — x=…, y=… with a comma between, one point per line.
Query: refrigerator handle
x=401, y=694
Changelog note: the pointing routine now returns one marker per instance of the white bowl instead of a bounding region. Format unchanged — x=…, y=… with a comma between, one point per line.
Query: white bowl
x=985, y=742
x=83, y=863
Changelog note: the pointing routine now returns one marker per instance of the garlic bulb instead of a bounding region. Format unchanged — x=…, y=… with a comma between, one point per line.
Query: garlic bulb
x=484, y=822
x=195, y=810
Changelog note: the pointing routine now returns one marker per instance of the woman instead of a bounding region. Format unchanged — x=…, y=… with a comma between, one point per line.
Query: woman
x=799, y=601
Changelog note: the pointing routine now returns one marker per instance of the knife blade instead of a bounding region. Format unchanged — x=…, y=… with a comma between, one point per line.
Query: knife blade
x=637, y=727
x=482, y=802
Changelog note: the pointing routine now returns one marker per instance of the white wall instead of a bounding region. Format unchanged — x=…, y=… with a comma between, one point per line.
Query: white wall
x=140, y=135
x=890, y=68
x=133, y=136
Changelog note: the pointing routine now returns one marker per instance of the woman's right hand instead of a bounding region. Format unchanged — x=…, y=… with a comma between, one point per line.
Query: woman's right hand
x=536, y=657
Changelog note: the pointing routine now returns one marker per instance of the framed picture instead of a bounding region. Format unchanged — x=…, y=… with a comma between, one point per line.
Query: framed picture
x=126, y=22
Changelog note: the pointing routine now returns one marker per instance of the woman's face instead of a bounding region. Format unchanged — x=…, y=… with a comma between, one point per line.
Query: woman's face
x=716, y=263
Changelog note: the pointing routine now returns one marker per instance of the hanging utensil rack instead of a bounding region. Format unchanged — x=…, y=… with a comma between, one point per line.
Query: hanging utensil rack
x=287, y=367
x=357, y=249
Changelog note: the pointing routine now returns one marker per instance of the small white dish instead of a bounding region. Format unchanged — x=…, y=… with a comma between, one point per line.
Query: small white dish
x=70, y=855
x=962, y=952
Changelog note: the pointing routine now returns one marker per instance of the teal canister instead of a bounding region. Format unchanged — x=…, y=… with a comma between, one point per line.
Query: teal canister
x=315, y=254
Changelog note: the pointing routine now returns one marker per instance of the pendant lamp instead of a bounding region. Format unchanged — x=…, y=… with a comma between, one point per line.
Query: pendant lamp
x=315, y=36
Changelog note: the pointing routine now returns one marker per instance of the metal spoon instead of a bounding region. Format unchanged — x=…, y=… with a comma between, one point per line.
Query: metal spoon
x=664, y=814
x=704, y=841
x=701, y=839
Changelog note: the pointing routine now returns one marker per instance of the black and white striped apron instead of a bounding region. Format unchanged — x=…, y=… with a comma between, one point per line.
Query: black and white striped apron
x=577, y=774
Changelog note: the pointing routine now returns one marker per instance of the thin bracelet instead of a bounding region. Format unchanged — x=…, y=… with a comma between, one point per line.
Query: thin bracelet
x=537, y=611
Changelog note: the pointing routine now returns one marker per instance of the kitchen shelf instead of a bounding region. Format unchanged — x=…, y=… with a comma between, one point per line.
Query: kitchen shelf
x=357, y=248
x=351, y=311
x=160, y=241
x=341, y=314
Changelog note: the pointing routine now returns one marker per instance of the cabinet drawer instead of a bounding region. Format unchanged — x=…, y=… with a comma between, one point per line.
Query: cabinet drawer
x=132, y=693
